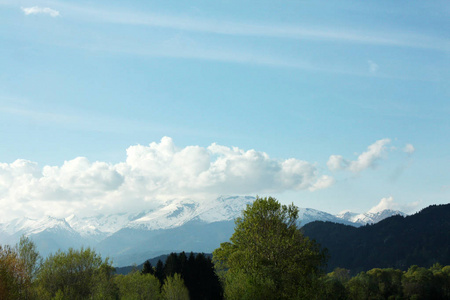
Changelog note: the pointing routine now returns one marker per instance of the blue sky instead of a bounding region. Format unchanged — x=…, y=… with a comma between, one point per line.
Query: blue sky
x=333, y=105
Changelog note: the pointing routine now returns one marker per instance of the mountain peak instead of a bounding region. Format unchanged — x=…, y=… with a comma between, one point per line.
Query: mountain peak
x=368, y=217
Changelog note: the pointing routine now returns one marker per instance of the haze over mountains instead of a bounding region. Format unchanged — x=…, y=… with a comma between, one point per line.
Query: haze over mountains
x=180, y=225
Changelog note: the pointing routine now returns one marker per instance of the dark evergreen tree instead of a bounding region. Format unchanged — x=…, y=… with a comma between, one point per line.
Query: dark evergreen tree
x=172, y=265
x=159, y=271
x=148, y=268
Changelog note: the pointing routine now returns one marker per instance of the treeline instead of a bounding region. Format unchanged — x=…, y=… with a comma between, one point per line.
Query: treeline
x=416, y=283
x=83, y=274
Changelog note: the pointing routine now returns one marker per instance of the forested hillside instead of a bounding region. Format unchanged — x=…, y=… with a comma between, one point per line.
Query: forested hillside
x=398, y=242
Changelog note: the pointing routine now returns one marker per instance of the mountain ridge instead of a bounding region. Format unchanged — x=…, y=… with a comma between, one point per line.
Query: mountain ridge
x=395, y=242
x=199, y=226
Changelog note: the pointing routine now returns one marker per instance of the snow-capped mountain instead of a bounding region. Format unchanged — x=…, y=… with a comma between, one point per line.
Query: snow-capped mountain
x=368, y=217
x=174, y=214
x=179, y=225
x=308, y=215
x=49, y=234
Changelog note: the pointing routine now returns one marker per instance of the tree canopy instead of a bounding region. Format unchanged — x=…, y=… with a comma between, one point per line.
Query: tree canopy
x=76, y=274
x=267, y=255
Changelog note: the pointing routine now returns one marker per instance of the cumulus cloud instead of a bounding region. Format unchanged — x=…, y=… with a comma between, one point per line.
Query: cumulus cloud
x=40, y=10
x=409, y=149
x=322, y=183
x=385, y=203
x=148, y=177
x=365, y=160
x=389, y=203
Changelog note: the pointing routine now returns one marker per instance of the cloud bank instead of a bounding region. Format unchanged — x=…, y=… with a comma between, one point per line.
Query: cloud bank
x=40, y=10
x=150, y=176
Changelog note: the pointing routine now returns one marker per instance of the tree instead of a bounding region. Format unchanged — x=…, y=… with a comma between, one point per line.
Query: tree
x=159, y=271
x=174, y=288
x=148, y=268
x=76, y=274
x=29, y=255
x=13, y=275
x=136, y=286
x=268, y=251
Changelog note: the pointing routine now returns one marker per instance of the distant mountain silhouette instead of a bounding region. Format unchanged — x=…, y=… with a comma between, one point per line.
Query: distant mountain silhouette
x=421, y=239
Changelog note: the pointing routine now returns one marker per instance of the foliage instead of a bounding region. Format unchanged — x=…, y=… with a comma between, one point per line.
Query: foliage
x=416, y=283
x=18, y=268
x=174, y=288
x=267, y=252
x=13, y=276
x=76, y=274
x=29, y=255
x=137, y=286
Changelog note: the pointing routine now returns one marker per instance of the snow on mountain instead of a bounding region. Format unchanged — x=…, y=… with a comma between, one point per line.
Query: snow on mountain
x=174, y=214
x=224, y=208
x=368, y=217
x=100, y=226
x=178, y=213
x=179, y=225
x=308, y=215
x=29, y=226
x=347, y=215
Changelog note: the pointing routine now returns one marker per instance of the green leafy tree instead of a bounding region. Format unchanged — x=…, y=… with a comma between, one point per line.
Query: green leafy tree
x=332, y=289
x=32, y=261
x=29, y=255
x=76, y=274
x=174, y=288
x=268, y=251
x=418, y=283
x=13, y=276
x=136, y=286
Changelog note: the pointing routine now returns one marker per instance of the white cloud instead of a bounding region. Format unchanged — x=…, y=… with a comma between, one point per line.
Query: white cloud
x=365, y=160
x=385, y=203
x=147, y=178
x=40, y=10
x=337, y=162
x=322, y=183
x=389, y=203
x=373, y=67
x=409, y=149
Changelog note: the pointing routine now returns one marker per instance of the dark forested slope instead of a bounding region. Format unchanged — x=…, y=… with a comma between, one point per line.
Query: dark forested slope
x=399, y=242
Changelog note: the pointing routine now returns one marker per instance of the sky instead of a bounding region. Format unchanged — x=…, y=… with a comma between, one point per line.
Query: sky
x=111, y=106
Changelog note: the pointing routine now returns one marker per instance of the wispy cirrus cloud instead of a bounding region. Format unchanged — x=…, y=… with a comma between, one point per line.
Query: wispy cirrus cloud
x=256, y=29
x=34, y=10
x=284, y=31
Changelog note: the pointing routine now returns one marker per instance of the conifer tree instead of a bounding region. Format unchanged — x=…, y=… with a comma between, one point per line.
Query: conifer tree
x=148, y=268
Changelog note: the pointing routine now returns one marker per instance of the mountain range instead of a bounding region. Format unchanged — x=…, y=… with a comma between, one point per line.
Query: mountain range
x=179, y=225
x=399, y=242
